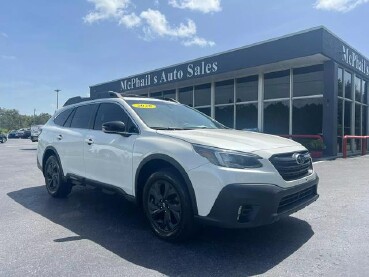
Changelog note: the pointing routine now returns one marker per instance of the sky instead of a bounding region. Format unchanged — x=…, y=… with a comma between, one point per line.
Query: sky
x=72, y=44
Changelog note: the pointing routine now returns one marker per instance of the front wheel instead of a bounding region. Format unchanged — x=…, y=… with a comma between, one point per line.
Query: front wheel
x=55, y=184
x=167, y=206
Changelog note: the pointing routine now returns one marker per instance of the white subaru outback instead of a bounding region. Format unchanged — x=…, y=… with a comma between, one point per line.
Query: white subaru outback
x=178, y=164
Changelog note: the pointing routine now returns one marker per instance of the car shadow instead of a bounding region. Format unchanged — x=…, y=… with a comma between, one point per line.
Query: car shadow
x=119, y=226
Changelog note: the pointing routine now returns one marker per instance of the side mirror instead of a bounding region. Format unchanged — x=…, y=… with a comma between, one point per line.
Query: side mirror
x=114, y=127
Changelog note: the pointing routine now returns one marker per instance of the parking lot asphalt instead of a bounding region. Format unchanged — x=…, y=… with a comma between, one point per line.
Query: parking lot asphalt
x=96, y=234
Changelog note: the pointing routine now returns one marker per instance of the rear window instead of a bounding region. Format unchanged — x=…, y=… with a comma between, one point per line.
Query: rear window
x=81, y=118
x=62, y=117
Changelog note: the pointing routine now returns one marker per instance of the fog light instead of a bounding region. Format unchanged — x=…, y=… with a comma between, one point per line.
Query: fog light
x=244, y=213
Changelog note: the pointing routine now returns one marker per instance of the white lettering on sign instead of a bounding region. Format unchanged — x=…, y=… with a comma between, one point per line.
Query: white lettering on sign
x=352, y=58
x=192, y=70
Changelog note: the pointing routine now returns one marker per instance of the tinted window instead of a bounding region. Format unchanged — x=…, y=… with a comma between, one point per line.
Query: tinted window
x=62, y=117
x=277, y=85
x=348, y=85
x=247, y=89
x=276, y=117
x=224, y=92
x=340, y=82
x=224, y=115
x=69, y=120
x=246, y=116
x=202, y=95
x=308, y=81
x=81, y=118
x=307, y=116
x=186, y=96
x=109, y=112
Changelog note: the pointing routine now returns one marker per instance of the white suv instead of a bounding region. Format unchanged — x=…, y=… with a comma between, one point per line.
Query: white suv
x=178, y=164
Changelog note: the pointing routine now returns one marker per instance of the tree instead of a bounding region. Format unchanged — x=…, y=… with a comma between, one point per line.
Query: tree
x=11, y=119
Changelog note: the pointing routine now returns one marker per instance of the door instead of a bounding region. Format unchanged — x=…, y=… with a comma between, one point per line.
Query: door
x=108, y=157
x=71, y=139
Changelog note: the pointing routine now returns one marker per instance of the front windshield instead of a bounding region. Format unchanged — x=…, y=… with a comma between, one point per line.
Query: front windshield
x=171, y=116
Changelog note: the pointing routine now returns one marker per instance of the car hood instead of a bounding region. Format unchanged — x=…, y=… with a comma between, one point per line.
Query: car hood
x=244, y=141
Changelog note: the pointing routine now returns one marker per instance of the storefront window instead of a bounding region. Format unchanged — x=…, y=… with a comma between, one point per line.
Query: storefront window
x=365, y=120
x=339, y=125
x=224, y=114
x=308, y=81
x=276, y=117
x=158, y=94
x=185, y=96
x=277, y=85
x=358, y=89
x=340, y=82
x=358, y=125
x=206, y=111
x=365, y=92
x=202, y=95
x=170, y=94
x=247, y=89
x=224, y=92
x=348, y=85
x=247, y=116
x=307, y=116
x=347, y=119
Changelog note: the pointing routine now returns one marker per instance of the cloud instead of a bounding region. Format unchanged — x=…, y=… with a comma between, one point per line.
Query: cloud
x=152, y=22
x=105, y=9
x=205, y=6
x=130, y=20
x=338, y=5
x=157, y=24
x=6, y=57
x=198, y=42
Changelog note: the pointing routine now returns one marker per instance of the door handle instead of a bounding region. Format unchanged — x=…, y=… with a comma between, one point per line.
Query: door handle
x=59, y=137
x=89, y=141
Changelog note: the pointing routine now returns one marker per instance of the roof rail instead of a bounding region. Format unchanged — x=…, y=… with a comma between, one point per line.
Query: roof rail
x=75, y=100
x=134, y=95
x=101, y=95
x=107, y=94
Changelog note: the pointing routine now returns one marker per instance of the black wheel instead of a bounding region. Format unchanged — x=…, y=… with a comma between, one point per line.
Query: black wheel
x=55, y=183
x=167, y=206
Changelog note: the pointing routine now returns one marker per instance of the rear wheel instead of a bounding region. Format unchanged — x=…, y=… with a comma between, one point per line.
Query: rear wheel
x=55, y=183
x=167, y=206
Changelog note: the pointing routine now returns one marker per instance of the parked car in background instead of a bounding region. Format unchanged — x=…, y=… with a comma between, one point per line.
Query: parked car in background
x=35, y=132
x=19, y=133
x=26, y=133
x=3, y=138
x=13, y=134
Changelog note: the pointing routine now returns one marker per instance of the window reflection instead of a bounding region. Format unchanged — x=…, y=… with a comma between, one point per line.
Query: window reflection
x=348, y=85
x=277, y=85
x=247, y=89
x=308, y=81
x=202, y=95
x=307, y=116
x=185, y=96
x=224, y=92
x=276, y=117
x=224, y=114
x=247, y=116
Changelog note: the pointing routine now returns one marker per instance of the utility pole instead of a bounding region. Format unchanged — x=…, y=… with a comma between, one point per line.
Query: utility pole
x=34, y=116
x=57, y=97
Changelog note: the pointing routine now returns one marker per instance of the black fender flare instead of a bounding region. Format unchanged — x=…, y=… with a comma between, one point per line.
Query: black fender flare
x=57, y=157
x=178, y=167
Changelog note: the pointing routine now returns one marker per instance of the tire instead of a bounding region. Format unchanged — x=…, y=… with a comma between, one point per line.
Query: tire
x=54, y=179
x=167, y=206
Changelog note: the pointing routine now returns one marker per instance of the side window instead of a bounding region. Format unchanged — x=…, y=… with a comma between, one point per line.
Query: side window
x=62, y=117
x=69, y=120
x=82, y=115
x=109, y=112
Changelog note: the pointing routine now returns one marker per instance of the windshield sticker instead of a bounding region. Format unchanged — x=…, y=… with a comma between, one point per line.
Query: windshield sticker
x=144, y=106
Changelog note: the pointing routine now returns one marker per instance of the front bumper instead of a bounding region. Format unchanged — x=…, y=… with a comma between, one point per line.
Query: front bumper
x=244, y=206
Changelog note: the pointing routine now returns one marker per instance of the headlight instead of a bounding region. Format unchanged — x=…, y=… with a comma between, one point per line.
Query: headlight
x=228, y=158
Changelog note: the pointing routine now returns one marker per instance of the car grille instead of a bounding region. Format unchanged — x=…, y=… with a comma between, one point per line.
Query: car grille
x=292, y=200
x=290, y=168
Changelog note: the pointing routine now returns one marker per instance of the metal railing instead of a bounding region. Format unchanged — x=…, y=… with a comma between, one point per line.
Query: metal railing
x=363, y=144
